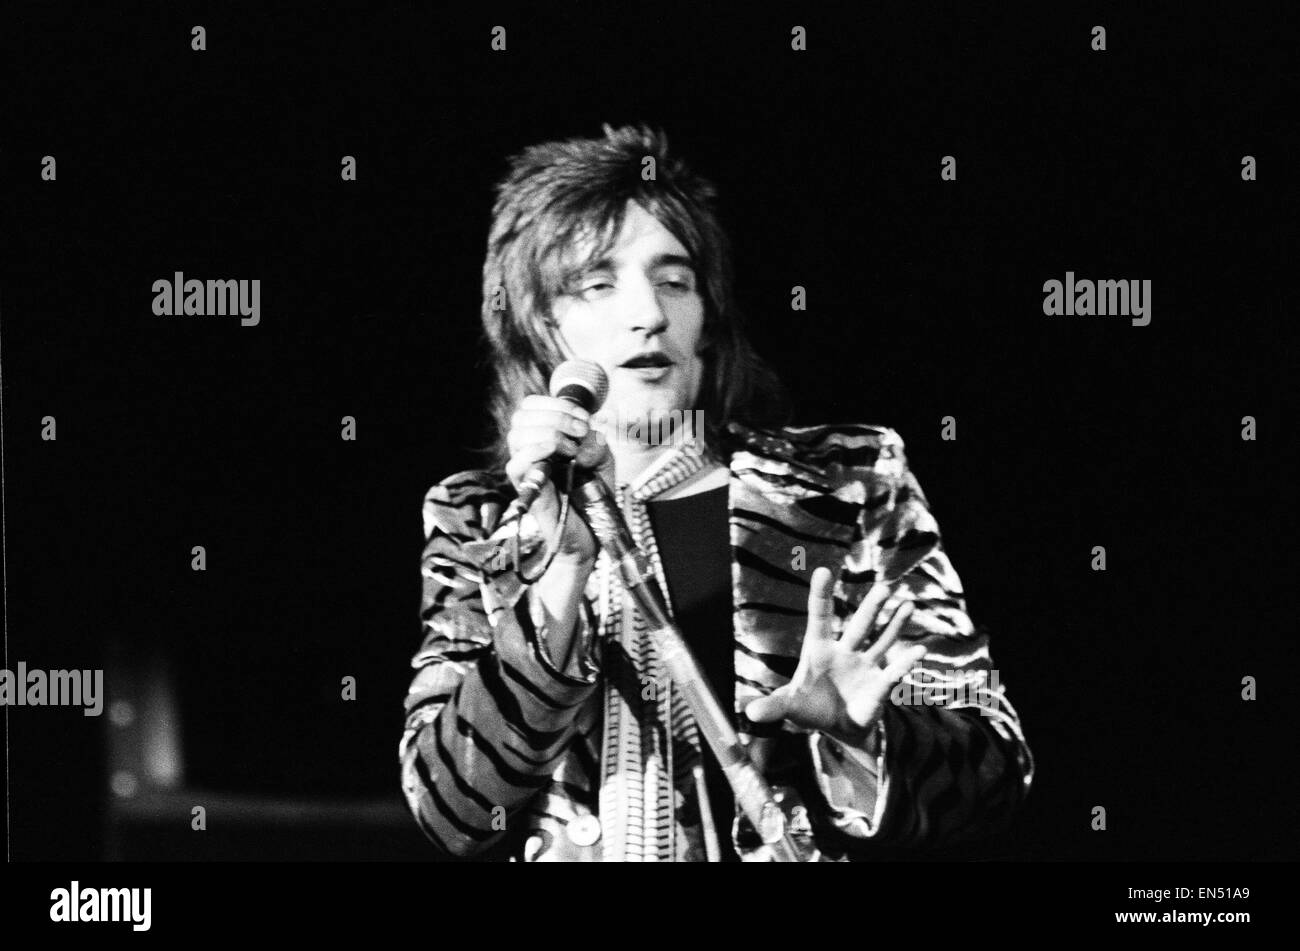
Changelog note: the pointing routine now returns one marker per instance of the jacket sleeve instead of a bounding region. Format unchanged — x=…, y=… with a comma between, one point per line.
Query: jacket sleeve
x=950, y=763
x=488, y=713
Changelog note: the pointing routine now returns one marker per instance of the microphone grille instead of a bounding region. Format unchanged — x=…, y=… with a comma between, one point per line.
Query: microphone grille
x=586, y=374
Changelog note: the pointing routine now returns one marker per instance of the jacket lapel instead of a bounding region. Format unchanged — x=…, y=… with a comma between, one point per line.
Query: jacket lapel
x=786, y=519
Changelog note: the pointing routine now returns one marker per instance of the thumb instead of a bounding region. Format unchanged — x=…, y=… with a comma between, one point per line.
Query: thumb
x=769, y=708
x=594, y=453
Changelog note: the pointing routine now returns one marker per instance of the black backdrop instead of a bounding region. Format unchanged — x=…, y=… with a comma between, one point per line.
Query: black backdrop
x=924, y=301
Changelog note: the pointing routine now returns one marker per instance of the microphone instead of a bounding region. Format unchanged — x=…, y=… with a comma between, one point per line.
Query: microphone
x=582, y=383
x=753, y=795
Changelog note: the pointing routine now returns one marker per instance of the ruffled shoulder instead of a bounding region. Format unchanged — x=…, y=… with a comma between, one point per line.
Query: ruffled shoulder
x=839, y=451
x=467, y=503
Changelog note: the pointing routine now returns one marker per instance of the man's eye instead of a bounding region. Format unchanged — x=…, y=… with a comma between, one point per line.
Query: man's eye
x=679, y=283
x=593, y=286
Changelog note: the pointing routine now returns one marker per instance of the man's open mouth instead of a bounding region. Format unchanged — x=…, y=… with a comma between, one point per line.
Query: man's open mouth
x=648, y=360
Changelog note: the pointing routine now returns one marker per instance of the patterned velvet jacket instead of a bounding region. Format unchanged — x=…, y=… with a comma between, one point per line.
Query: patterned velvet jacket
x=500, y=750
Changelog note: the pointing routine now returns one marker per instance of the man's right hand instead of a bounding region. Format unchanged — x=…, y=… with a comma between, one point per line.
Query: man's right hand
x=544, y=426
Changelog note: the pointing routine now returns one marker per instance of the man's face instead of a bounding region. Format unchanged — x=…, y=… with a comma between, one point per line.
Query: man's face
x=638, y=313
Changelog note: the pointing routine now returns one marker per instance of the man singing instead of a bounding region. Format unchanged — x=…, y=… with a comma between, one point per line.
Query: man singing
x=802, y=565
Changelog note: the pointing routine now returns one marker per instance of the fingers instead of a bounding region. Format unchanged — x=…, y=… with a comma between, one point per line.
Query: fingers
x=523, y=457
x=905, y=661
x=770, y=708
x=864, y=618
x=533, y=409
x=532, y=429
x=541, y=427
x=863, y=707
x=896, y=624
x=544, y=415
x=593, y=453
x=820, y=607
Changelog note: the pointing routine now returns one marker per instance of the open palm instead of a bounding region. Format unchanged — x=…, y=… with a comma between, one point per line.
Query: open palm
x=838, y=688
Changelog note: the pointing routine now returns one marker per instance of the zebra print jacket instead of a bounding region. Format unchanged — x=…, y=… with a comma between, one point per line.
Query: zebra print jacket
x=499, y=756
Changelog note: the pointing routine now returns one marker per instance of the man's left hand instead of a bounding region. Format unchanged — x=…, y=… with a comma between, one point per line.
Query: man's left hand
x=838, y=688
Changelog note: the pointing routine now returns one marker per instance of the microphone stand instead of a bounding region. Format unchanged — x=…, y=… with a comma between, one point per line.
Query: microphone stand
x=602, y=515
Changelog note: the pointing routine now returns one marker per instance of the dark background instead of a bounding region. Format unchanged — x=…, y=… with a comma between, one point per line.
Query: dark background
x=924, y=300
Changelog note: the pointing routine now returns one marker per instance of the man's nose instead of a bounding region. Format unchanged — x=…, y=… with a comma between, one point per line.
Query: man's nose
x=645, y=312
